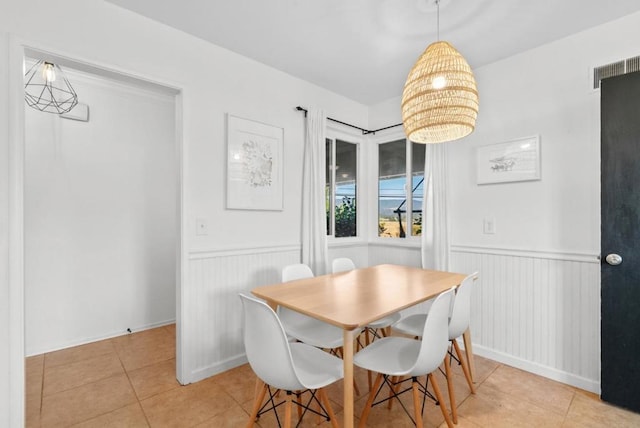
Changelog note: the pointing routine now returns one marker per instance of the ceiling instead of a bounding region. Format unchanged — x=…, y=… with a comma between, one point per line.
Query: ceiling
x=363, y=49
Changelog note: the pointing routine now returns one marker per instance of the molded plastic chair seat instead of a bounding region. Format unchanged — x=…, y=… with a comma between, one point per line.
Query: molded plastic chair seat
x=292, y=367
x=314, y=332
x=315, y=369
x=302, y=327
x=385, y=322
x=411, y=325
x=399, y=356
x=394, y=356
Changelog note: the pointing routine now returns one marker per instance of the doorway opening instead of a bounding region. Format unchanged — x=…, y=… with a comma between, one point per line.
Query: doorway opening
x=101, y=224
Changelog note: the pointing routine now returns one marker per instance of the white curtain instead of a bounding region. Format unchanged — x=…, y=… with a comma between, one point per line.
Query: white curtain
x=435, y=222
x=314, y=216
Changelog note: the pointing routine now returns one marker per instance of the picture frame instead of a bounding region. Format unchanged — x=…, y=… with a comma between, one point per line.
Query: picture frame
x=511, y=161
x=255, y=153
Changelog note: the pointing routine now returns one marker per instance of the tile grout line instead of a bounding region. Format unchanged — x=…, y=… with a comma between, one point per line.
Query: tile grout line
x=566, y=416
x=126, y=372
x=42, y=388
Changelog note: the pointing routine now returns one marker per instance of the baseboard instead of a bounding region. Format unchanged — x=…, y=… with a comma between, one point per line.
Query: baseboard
x=538, y=369
x=219, y=367
x=87, y=340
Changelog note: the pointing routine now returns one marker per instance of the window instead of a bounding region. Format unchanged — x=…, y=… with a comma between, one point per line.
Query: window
x=400, y=188
x=341, y=188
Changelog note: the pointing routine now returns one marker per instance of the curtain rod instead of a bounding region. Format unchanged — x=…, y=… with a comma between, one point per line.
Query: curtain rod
x=364, y=131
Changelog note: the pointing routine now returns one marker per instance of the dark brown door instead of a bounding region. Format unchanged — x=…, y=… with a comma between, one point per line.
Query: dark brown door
x=620, y=244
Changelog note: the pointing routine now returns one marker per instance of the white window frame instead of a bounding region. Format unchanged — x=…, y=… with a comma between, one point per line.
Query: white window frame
x=334, y=133
x=410, y=240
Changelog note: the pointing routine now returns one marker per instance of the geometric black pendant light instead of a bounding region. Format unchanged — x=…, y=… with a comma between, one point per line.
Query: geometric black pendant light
x=47, y=89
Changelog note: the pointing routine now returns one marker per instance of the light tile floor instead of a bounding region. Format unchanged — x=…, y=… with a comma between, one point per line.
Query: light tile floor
x=129, y=381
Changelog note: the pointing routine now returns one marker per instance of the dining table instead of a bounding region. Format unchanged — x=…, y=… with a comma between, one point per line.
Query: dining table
x=352, y=299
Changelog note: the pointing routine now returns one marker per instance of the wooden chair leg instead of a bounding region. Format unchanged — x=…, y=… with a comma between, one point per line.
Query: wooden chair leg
x=287, y=410
x=367, y=407
x=468, y=350
x=417, y=405
x=443, y=406
x=261, y=391
x=299, y=406
x=392, y=380
x=325, y=400
x=452, y=397
x=465, y=367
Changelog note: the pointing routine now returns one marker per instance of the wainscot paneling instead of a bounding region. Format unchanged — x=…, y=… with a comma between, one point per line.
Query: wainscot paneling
x=538, y=311
x=358, y=252
x=390, y=252
x=213, y=323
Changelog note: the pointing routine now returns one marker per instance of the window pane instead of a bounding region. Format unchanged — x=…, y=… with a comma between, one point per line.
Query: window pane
x=392, y=181
x=417, y=186
x=345, y=196
x=328, y=182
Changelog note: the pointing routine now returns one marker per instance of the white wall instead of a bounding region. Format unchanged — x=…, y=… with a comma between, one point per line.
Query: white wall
x=100, y=216
x=547, y=232
x=213, y=81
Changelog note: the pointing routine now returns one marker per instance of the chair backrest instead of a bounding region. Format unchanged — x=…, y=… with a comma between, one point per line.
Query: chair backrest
x=266, y=345
x=435, y=336
x=297, y=271
x=342, y=264
x=291, y=273
x=461, y=312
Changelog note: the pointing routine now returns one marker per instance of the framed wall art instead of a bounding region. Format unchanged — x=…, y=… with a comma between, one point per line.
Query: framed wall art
x=254, y=165
x=515, y=160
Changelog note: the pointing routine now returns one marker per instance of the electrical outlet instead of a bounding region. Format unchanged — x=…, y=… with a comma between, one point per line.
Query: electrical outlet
x=202, y=228
x=489, y=226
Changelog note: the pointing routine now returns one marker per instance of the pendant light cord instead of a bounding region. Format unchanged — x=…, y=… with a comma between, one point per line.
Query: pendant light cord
x=438, y=20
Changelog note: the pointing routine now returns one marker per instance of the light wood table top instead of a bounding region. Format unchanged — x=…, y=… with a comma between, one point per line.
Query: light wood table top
x=355, y=298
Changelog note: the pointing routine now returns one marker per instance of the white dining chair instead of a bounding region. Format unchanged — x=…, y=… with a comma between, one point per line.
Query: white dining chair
x=310, y=330
x=305, y=328
x=398, y=357
x=459, y=319
x=290, y=367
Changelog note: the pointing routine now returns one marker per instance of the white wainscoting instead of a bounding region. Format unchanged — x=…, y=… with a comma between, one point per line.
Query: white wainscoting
x=213, y=323
x=391, y=252
x=539, y=311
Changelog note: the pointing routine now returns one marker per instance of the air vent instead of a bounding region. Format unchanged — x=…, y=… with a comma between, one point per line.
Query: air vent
x=633, y=64
x=604, y=71
x=615, y=69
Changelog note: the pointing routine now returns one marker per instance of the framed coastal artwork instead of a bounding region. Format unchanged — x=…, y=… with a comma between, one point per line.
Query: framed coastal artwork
x=515, y=160
x=254, y=165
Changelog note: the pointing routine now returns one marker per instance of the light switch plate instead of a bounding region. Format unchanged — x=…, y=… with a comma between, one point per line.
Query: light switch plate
x=489, y=226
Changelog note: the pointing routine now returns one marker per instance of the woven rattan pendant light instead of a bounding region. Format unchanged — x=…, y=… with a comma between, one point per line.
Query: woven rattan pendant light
x=440, y=98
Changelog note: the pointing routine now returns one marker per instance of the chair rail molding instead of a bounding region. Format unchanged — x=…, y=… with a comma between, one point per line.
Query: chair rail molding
x=207, y=253
x=586, y=257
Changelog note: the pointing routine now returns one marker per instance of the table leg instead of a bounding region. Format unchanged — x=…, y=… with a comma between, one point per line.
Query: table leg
x=468, y=350
x=347, y=359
